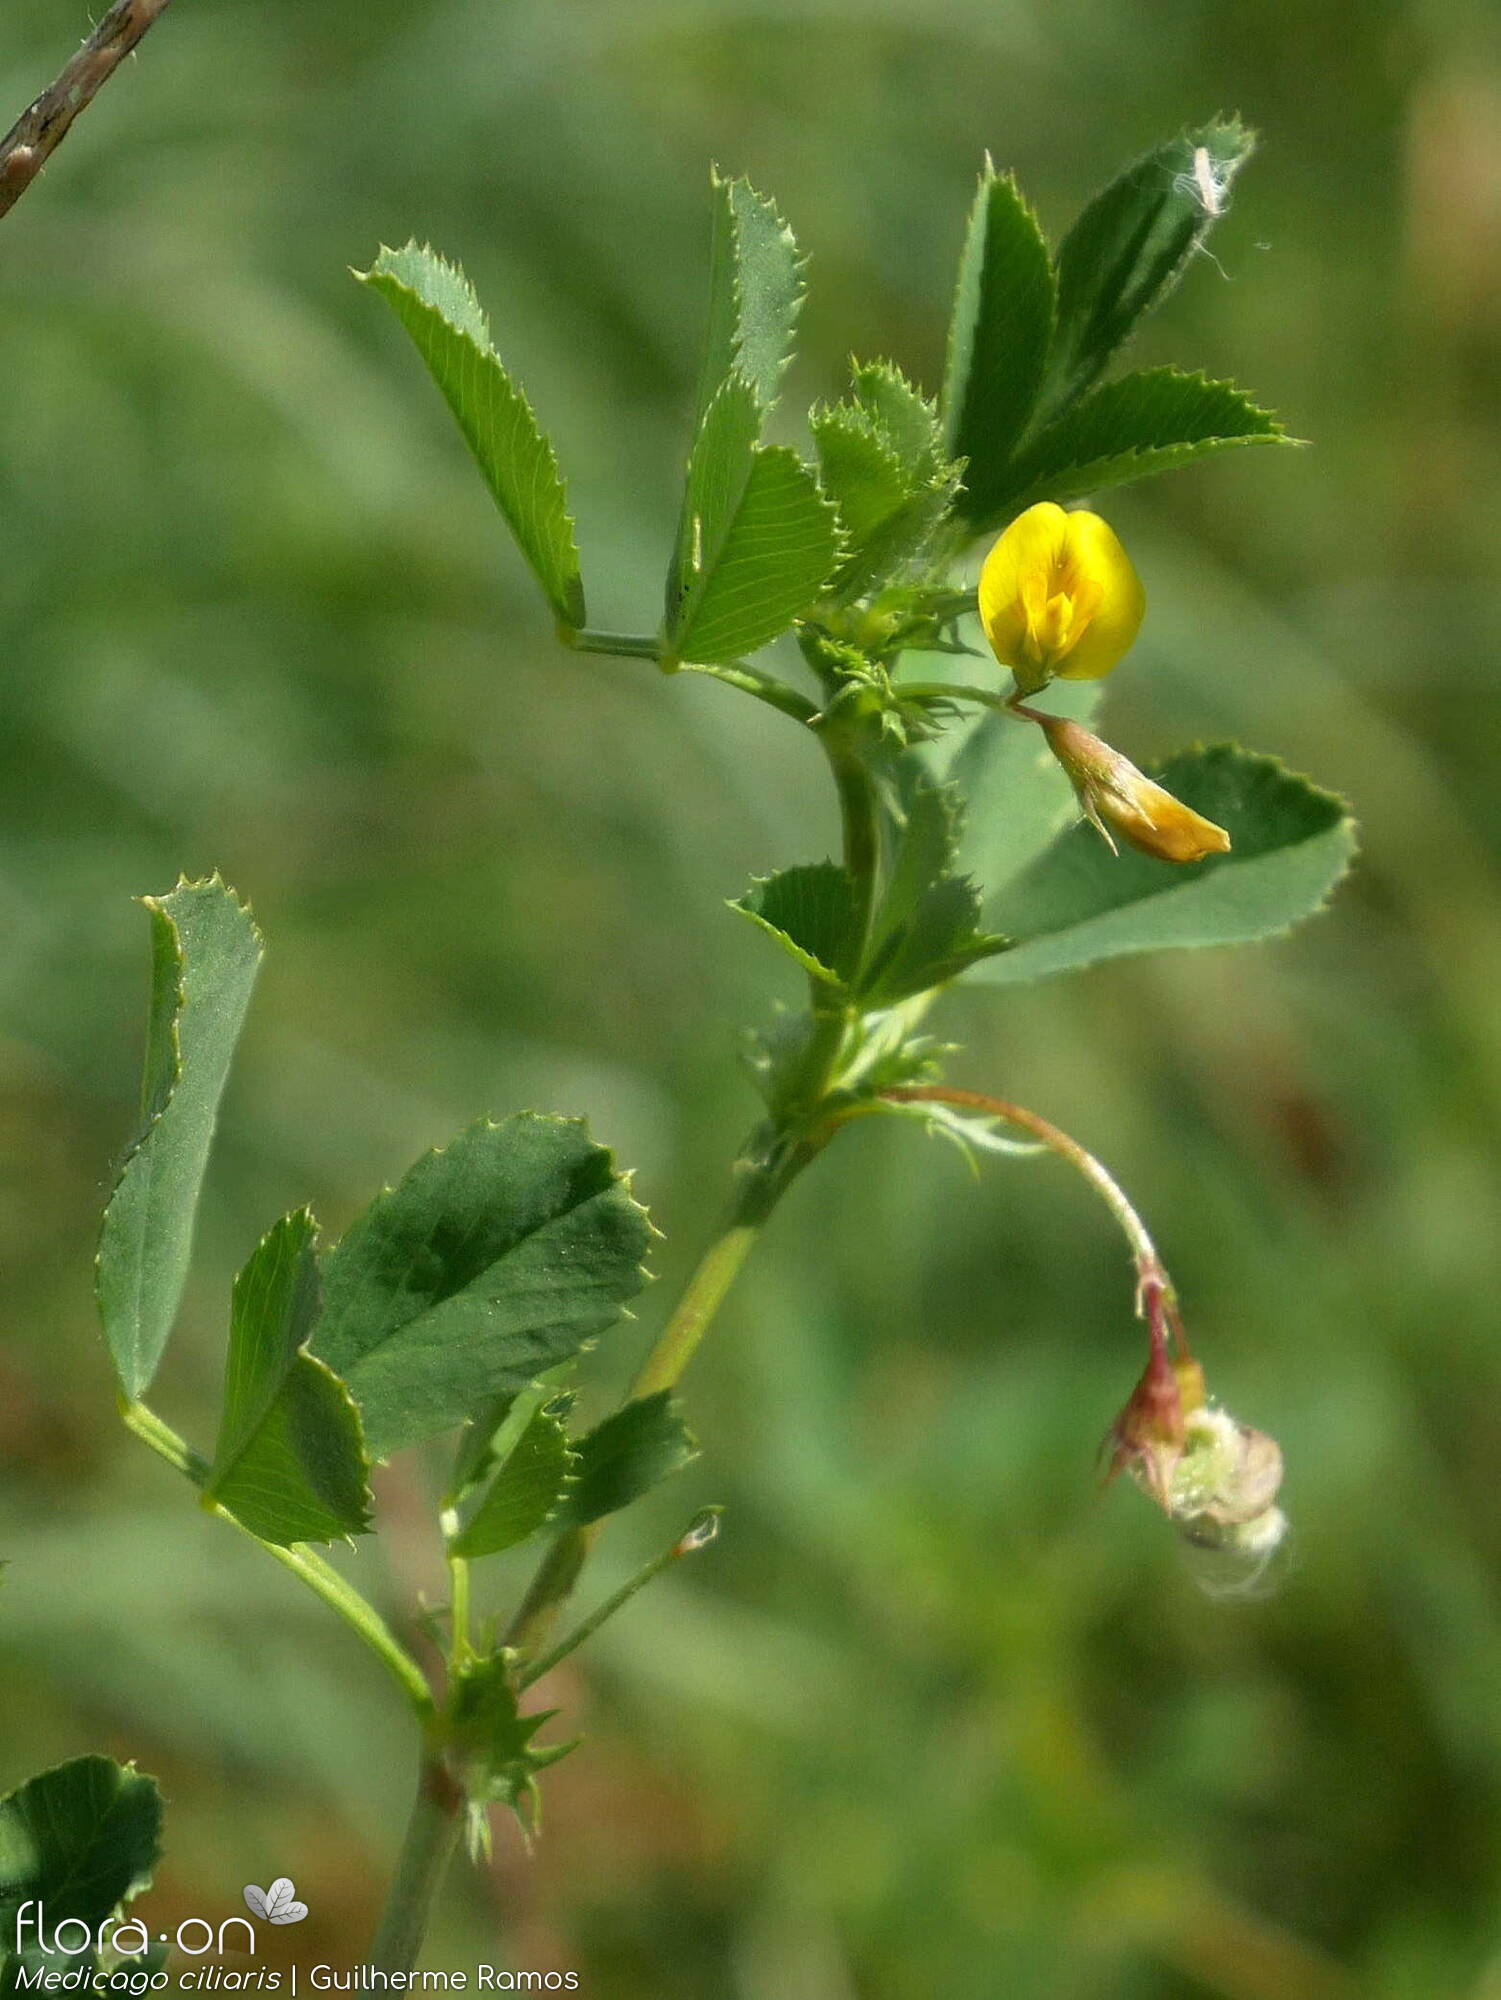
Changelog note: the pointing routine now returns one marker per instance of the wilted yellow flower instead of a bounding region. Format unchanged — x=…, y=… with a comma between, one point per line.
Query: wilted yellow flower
x=1058, y=595
x=1119, y=799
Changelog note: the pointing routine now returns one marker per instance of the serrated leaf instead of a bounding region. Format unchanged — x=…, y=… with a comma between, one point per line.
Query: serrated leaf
x=490, y=1263
x=858, y=468
x=627, y=1455
x=926, y=928
x=206, y=952
x=925, y=849
x=755, y=291
x=810, y=911
x=524, y=1494
x=906, y=418
x=901, y=539
x=1017, y=795
x=889, y=497
x=476, y=1454
x=1146, y=423
x=1130, y=246
x=998, y=339
x=436, y=304
x=290, y=1463
x=758, y=541
x=939, y=940
x=79, y=1840
x=1078, y=903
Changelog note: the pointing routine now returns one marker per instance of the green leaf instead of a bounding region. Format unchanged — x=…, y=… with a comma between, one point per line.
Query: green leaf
x=627, y=1455
x=534, y=1474
x=290, y=1464
x=1078, y=902
x=755, y=292
x=491, y=1262
x=1151, y=422
x=810, y=911
x=1017, y=796
x=80, y=1840
x=205, y=952
x=925, y=850
x=880, y=463
x=940, y=939
x=905, y=417
x=436, y=304
x=858, y=469
x=758, y=540
x=1131, y=245
x=927, y=928
x=998, y=338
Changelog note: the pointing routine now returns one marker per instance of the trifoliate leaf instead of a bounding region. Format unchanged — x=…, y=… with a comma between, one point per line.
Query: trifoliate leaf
x=927, y=927
x=879, y=463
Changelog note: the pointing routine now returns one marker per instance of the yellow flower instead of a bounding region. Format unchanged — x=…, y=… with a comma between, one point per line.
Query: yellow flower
x=1119, y=799
x=1058, y=595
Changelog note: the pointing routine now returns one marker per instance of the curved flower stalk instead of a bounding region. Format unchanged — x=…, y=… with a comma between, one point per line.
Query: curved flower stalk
x=1215, y=1478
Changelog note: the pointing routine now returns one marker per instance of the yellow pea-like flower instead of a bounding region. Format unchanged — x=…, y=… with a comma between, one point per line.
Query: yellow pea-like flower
x=1119, y=799
x=1058, y=595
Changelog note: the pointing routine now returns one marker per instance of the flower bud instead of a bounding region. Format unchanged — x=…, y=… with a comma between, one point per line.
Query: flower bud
x=1058, y=595
x=1119, y=799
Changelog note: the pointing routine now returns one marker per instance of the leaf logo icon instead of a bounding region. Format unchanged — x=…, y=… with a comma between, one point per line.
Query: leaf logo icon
x=278, y=1904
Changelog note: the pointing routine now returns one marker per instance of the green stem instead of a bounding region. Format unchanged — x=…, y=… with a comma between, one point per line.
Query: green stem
x=734, y=673
x=620, y=645
x=458, y=1593
x=764, y=1181
x=776, y=1157
x=860, y=823
x=310, y=1568
x=551, y=1585
x=958, y=691
x=432, y=1833
x=765, y=687
x=716, y=1271
x=699, y=1535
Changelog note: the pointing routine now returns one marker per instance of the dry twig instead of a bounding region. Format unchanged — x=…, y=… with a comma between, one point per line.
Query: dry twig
x=43, y=126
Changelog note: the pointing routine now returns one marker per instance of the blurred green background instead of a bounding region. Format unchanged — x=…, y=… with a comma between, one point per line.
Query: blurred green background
x=932, y=1719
